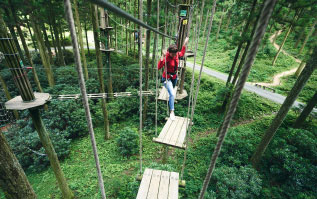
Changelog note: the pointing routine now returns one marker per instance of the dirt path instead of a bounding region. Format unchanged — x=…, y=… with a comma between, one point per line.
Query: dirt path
x=277, y=77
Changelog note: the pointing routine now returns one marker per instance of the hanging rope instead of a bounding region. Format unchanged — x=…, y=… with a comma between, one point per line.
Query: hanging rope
x=156, y=71
x=122, y=13
x=70, y=20
x=198, y=83
x=260, y=30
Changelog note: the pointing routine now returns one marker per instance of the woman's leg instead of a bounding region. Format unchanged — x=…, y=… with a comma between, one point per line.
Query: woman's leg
x=169, y=86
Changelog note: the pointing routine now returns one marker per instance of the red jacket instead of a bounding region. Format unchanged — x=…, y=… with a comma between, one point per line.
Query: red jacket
x=172, y=63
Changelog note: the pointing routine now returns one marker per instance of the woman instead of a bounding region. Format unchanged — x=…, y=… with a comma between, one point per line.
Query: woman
x=169, y=61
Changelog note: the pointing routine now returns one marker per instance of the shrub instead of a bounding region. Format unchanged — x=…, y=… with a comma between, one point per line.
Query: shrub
x=232, y=182
x=127, y=142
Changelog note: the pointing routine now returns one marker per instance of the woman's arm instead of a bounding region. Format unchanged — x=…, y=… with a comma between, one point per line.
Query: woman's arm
x=182, y=52
x=162, y=60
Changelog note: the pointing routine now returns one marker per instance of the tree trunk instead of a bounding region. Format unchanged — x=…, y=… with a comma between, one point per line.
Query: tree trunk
x=53, y=39
x=299, y=37
x=126, y=31
x=156, y=38
x=228, y=19
x=63, y=37
x=147, y=59
x=307, y=37
x=80, y=39
x=246, y=27
x=8, y=96
x=307, y=110
x=285, y=37
x=300, y=68
x=50, y=151
x=47, y=44
x=13, y=180
x=94, y=17
x=43, y=54
x=87, y=43
x=219, y=26
x=28, y=25
x=206, y=22
x=298, y=86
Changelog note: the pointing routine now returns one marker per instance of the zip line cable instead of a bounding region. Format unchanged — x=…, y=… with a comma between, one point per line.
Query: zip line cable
x=70, y=20
x=120, y=12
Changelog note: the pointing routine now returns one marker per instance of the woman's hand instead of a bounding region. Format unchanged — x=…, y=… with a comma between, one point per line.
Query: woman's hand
x=186, y=41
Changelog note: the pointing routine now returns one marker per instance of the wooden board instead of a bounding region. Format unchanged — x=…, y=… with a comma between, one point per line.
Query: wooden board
x=164, y=93
x=174, y=133
x=158, y=184
x=18, y=104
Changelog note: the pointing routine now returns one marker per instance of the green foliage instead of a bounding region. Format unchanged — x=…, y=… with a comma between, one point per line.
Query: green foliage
x=127, y=142
x=232, y=182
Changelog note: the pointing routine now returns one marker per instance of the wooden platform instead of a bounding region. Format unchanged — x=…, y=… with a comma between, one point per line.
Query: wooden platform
x=189, y=54
x=18, y=104
x=164, y=93
x=174, y=133
x=106, y=28
x=181, y=96
x=107, y=50
x=158, y=184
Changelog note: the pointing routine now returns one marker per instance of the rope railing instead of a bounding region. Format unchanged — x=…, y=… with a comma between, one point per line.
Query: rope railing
x=256, y=40
x=122, y=13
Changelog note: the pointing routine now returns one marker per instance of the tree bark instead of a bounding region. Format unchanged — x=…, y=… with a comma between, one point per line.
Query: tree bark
x=228, y=19
x=307, y=37
x=80, y=39
x=53, y=39
x=156, y=38
x=219, y=26
x=94, y=17
x=13, y=180
x=165, y=29
x=290, y=99
x=43, y=54
x=300, y=68
x=299, y=38
x=307, y=110
x=126, y=31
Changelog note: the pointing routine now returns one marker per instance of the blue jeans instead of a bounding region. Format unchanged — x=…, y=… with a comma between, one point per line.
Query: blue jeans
x=171, y=83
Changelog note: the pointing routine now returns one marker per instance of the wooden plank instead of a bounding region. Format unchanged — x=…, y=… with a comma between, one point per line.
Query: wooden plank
x=178, y=130
x=171, y=129
x=174, y=130
x=173, y=187
x=164, y=130
x=182, y=135
x=164, y=184
x=155, y=184
x=145, y=183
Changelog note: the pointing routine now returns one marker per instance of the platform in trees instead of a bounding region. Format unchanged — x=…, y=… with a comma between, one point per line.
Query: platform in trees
x=158, y=184
x=174, y=132
x=107, y=50
x=18, y=104
x=189, y=54
x=164, y=93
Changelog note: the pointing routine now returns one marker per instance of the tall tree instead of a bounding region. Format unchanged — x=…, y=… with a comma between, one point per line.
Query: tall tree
x=13, y=180
x=306, y=111
x=43, y=53
x=290, y=99
x=147, y=58
x=80, y=38
x=285, y=37
x=307, y=37
x=47, y=44
x=220, y=22
x=95, y=25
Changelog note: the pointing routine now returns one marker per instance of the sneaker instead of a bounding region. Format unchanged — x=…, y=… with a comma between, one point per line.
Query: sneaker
x=172, y=116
